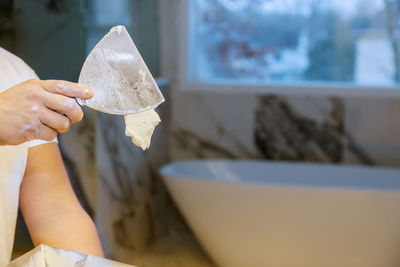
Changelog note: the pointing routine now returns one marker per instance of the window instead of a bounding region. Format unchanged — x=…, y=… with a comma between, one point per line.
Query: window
x=289, y=42
x=102, y=15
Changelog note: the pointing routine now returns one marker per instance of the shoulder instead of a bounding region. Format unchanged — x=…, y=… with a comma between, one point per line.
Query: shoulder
x=13, y=70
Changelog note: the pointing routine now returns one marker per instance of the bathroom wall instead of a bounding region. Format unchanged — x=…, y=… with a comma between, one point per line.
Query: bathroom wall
x=357, y=130
x=55, y=50
x=291, y=128
x=341, y=130
x=137, y=221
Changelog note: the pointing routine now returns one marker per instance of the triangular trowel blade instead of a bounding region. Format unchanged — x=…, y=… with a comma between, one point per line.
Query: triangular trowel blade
x=120, y=80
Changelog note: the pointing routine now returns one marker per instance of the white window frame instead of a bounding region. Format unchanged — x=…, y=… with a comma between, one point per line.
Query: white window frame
x=295, y=88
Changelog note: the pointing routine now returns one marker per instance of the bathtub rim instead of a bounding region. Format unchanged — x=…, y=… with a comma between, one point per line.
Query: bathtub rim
x=168, y=171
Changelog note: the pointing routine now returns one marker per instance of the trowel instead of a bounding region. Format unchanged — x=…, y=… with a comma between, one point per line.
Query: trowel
x=121, y=82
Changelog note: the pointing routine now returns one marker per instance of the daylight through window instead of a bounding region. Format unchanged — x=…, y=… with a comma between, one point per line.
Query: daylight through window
x=352, y=41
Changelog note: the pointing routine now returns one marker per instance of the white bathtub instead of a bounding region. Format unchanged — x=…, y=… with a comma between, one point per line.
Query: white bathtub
x=250, y=213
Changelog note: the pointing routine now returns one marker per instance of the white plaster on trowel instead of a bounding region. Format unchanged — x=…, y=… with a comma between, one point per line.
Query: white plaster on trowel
x=140, y=127
x=118, y=29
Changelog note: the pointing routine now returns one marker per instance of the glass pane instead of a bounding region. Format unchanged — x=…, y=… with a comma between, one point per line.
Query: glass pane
x=352, y=41
x=109, y=13
x=101, y=15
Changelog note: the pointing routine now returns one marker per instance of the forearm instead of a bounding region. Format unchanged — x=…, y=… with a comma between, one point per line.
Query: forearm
x=65, y=226
x=50, y=208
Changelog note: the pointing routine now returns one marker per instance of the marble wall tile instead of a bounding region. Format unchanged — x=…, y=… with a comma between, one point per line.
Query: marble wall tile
x=305, y=129
x=375, y=125
x=78, y=148
x=283, y=133
x=137, y=220
x=299, y=128
x=213, y=125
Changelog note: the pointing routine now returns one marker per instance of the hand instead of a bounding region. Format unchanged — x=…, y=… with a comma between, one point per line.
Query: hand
x=38, y=109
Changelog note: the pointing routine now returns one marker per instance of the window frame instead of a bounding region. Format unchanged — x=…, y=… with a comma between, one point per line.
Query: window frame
x=187, y=46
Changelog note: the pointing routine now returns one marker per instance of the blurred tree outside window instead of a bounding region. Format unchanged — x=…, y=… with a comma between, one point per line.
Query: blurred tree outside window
x=352, y=41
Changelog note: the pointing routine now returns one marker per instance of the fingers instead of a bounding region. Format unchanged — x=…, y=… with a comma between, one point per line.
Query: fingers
x=54, y=120
x=46, y=133
x=66, y=88
x=63, y=105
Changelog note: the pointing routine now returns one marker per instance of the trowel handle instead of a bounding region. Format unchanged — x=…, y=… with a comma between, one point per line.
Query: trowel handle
x=79, y=101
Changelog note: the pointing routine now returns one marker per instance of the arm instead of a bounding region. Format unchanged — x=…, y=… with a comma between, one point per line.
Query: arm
x=50, y=208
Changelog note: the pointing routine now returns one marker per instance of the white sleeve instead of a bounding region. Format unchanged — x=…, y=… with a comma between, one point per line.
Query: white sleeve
x=40, y=142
